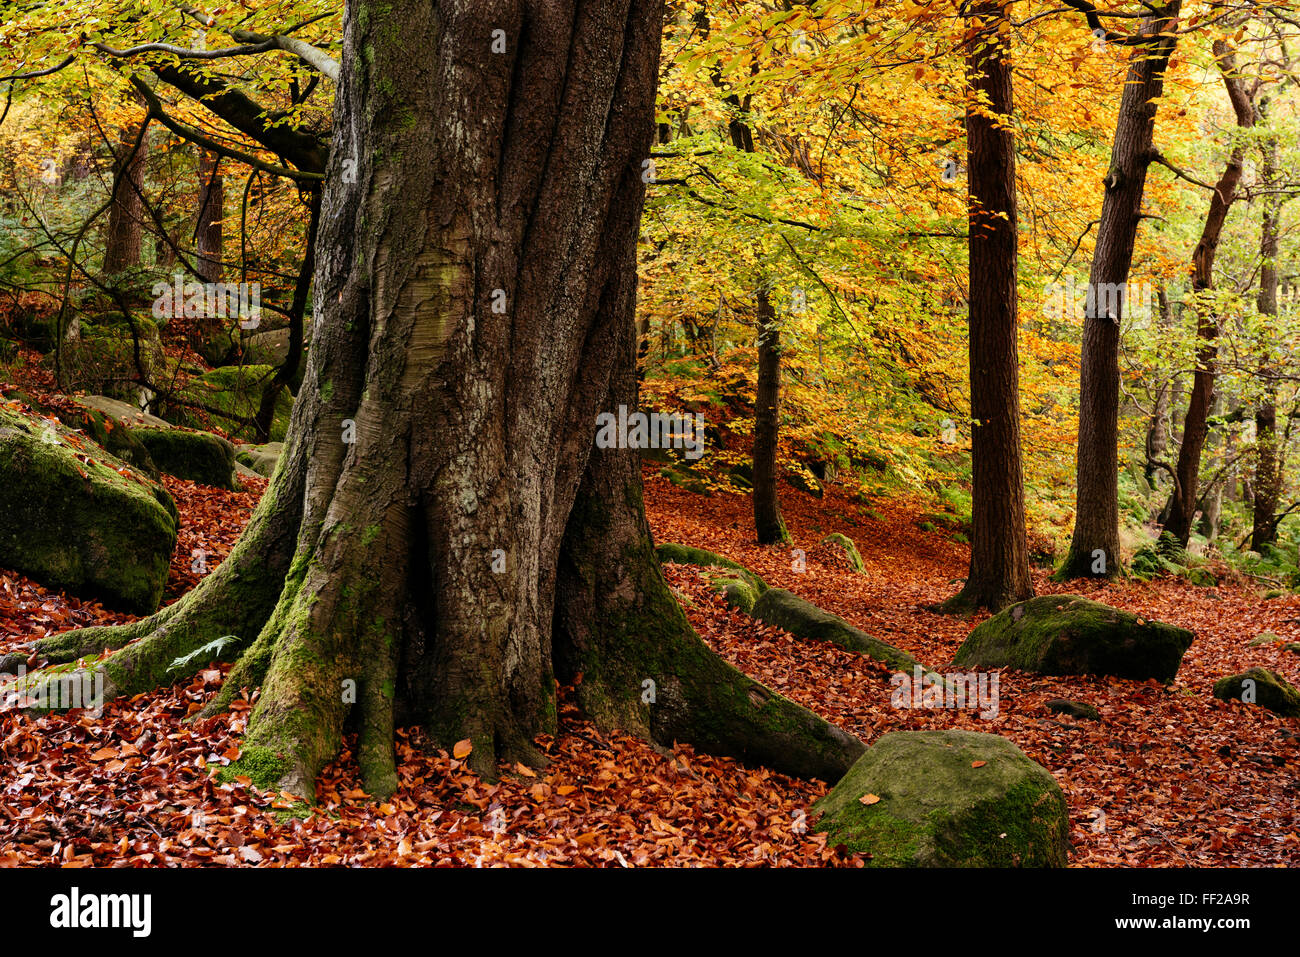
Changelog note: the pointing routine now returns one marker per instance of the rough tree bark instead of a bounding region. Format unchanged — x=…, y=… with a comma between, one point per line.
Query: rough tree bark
x=208, y=244
x=474, y=298
x=1182, y=511
x=1157, y=440
x=1096, y=511
x=768, y=524
x=999, y=562
x=1267, y=481
x=122, y=242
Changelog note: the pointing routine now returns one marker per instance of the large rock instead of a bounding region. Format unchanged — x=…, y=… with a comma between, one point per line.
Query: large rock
x=194, y=456
x=1263, y=687
x=948, y=799
x=1069, y=635
x=74, y=517
x=788, y=611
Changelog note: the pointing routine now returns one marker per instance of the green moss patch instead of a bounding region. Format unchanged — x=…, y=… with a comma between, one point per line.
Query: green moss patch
x=803, y=619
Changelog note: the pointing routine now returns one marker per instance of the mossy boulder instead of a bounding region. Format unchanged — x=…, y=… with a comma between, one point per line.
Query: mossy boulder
x=75, y=518
x=802, y=618
x=845, y=545
x=1263, y=687
x=261, y=459
x=194, y=456
x=108, y=433
x=236, y=393
x=1070, y=635
x=733, y=581
x=947, y=799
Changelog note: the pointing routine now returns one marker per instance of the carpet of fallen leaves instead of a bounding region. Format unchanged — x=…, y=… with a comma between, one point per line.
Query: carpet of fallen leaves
x=1169, y=777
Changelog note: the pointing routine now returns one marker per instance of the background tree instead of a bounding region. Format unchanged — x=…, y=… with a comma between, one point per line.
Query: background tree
x=1094, y=547
x=999, y=564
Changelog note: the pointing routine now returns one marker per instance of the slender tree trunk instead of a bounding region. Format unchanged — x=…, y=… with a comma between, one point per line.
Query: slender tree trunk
x=458, y=540
x=999, y=564
x=1157, y=442
x=208, y=242
x=768, y=523
x=1267, y=482
x=122, y=243
x=1094, y=547
x=288, y=370
x=1195, y=422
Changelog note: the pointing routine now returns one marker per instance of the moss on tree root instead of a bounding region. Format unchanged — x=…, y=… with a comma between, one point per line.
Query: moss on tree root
x=802, y=618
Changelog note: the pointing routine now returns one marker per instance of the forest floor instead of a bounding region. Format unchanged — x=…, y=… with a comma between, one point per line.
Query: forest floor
x=1169, y=777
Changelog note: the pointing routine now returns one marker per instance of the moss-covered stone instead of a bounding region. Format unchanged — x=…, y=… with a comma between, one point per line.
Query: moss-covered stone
x=803, y=619
x=194, y=456
x=687, y=555
x=1075, y=709
x=108, y=433
x=76, y=518
x=261, y=459
x=845, y=544
x=1267, y=638
x=236, y=392
x=1070, y=635
x=948, y=799
x=739, y=591
x=1263, y=687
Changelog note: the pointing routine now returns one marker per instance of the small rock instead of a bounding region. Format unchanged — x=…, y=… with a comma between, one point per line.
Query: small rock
x=1075, y=709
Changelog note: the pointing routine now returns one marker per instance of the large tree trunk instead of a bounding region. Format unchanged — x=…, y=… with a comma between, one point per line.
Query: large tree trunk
x=122, y=242
x=474, y=298
x=768, y=523
x=1267, y=482
x=999, y=563
x=1182, y=511
x=1094, y=546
